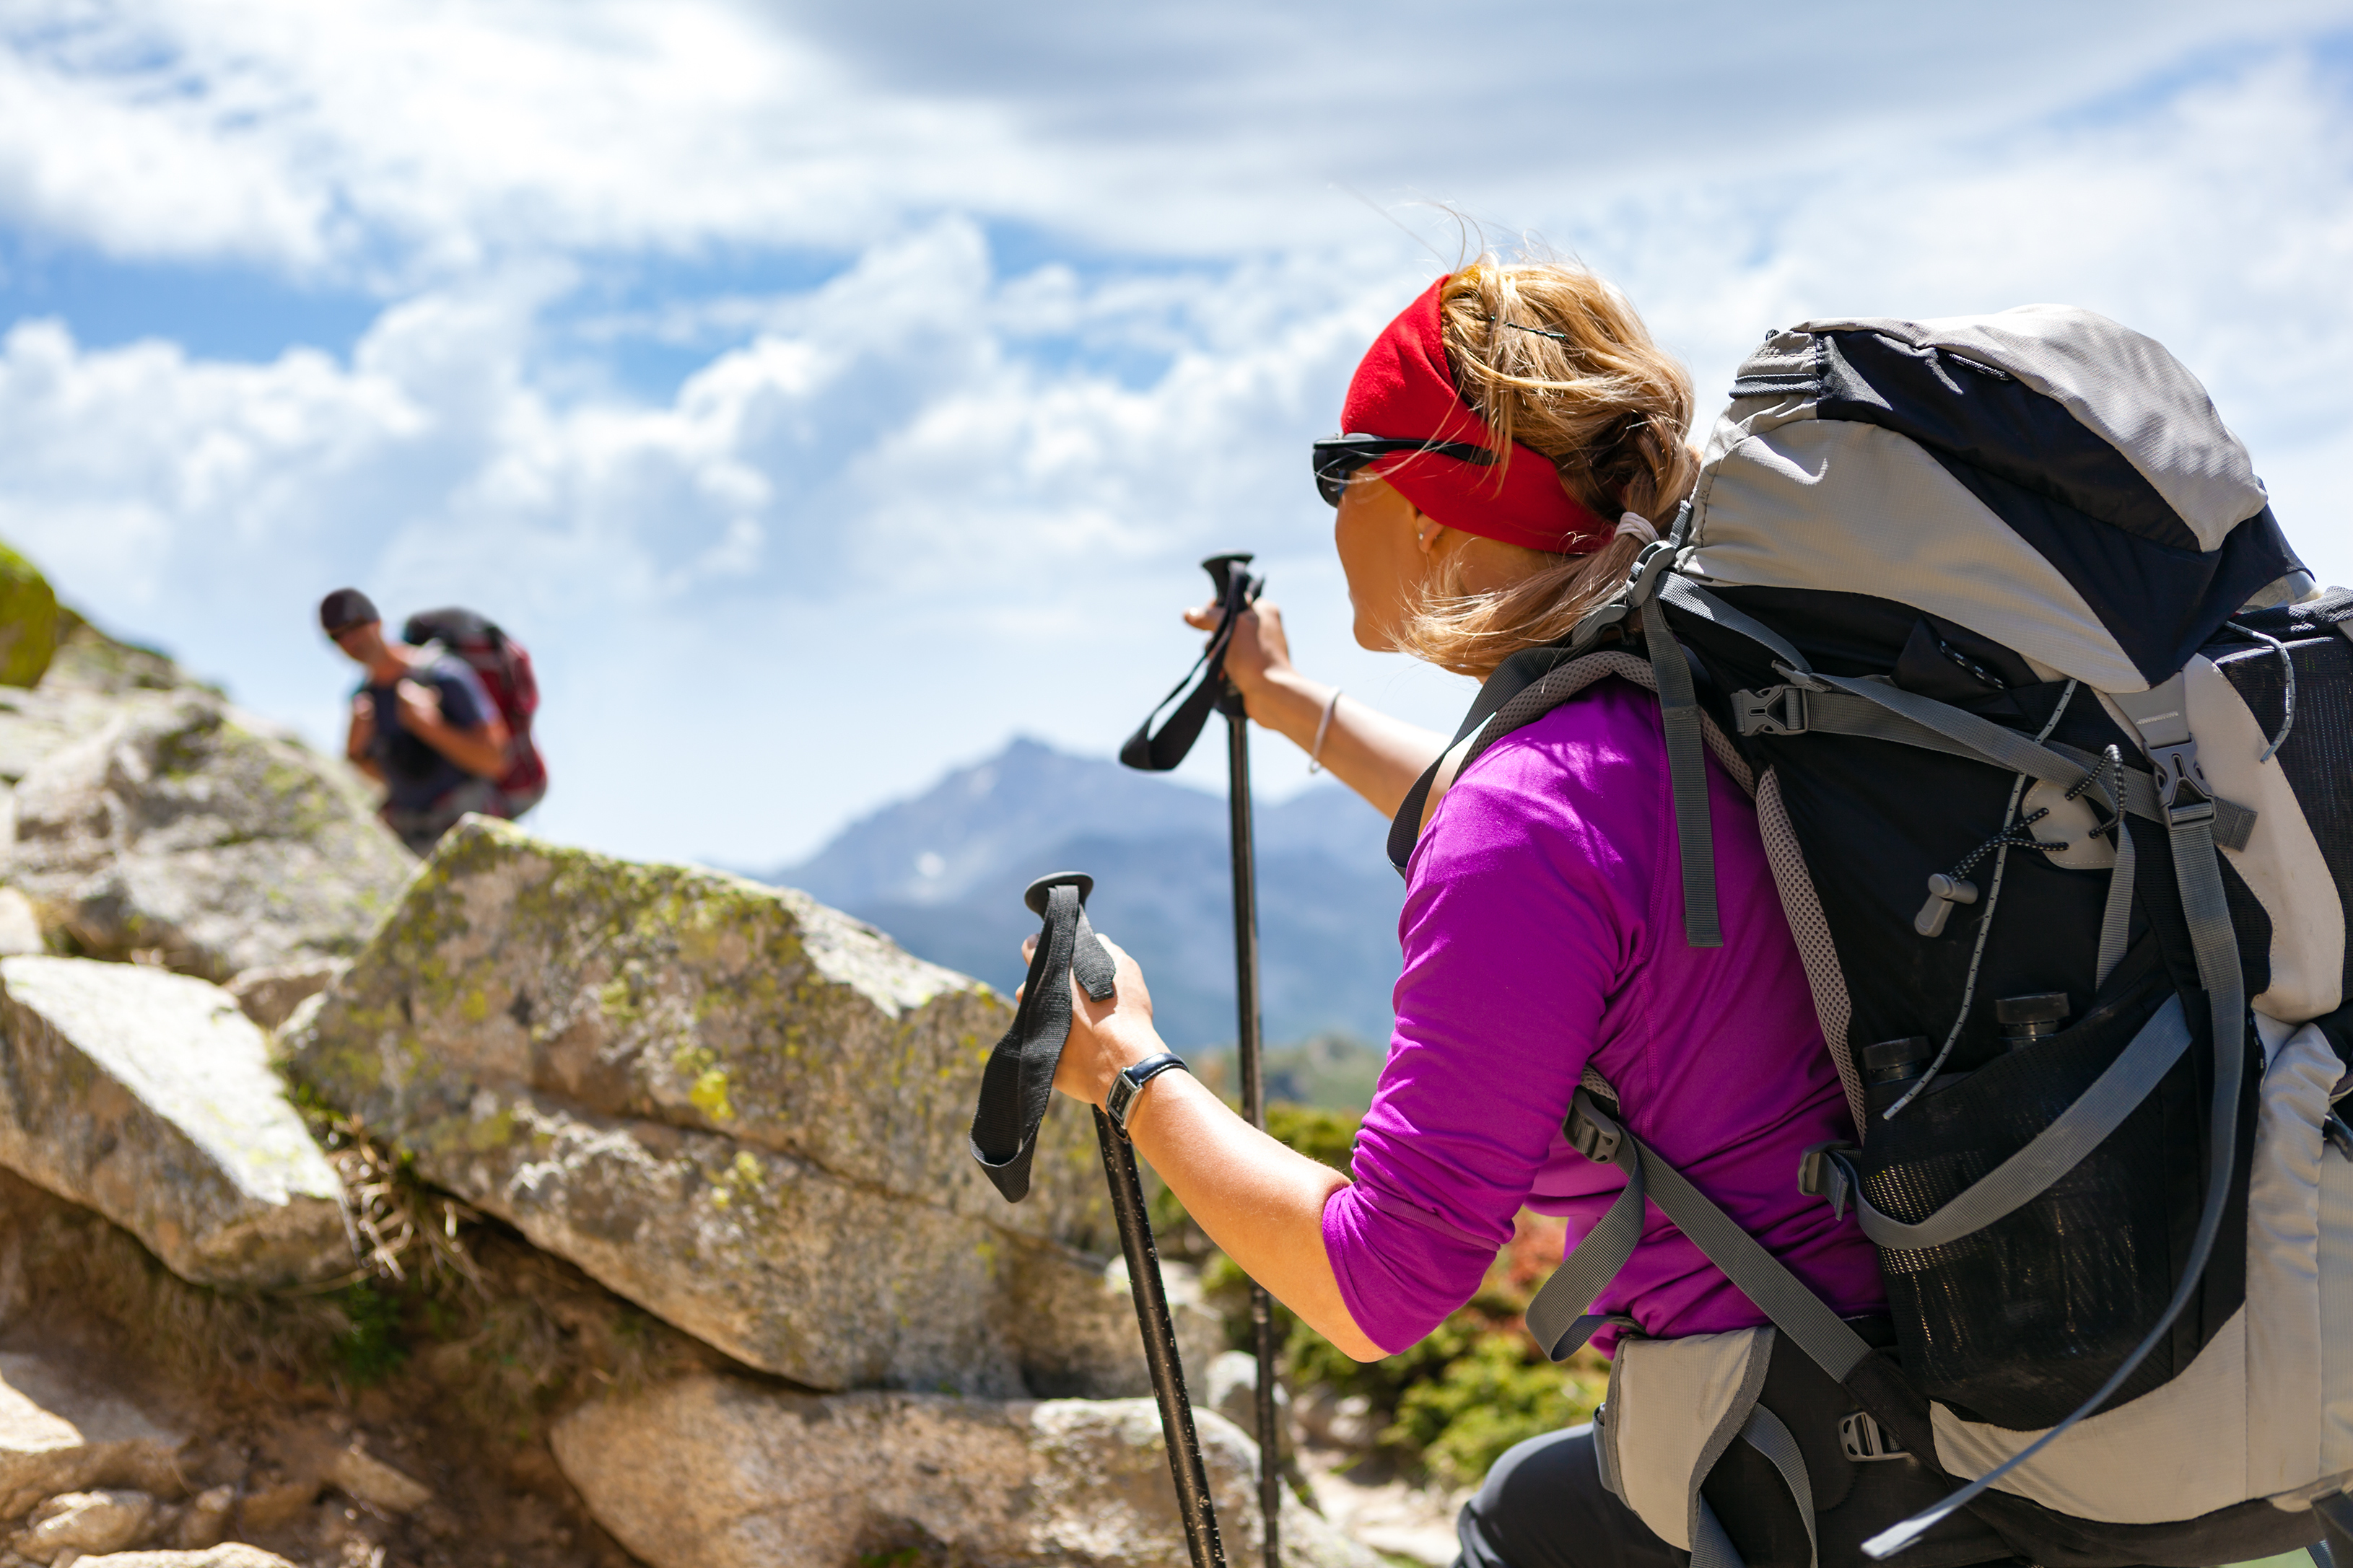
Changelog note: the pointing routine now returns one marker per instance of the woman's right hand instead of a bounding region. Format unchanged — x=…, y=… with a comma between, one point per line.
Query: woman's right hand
x=1258, y=654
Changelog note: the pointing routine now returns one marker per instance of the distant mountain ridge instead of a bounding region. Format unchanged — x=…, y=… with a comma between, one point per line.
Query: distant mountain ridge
x=942, y=873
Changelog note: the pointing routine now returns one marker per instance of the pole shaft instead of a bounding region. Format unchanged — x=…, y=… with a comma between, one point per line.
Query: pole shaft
x=1194, y=1508
x=1252, y=1071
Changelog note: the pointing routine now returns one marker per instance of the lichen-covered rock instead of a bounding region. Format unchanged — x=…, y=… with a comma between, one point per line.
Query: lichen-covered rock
x=91, y=679
x=743, y=1110
x=1079, y=1334
x=28, y=620
x=716, y=1472
x=181, y=830
x=148, y=1096
x=61, y=1430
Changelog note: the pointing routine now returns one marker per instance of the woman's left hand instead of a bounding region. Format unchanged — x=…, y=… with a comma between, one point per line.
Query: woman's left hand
x=1106, y=1038
x=1259, y=1202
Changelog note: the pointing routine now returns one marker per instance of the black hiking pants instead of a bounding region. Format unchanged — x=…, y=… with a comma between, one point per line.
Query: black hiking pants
x=1543, y=1506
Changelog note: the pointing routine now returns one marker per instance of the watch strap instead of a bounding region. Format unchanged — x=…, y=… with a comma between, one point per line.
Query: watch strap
x=1129, y=1083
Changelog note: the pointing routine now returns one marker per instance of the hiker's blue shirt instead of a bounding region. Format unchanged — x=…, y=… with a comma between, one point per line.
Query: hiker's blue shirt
x=415, y=774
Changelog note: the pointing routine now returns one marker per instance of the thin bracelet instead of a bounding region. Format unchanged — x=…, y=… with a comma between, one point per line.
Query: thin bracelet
x=1316, y=752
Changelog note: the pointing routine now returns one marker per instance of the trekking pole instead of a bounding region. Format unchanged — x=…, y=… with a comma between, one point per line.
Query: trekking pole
x=1015, y=1090
x=1236, y=590
x=1185, y=1467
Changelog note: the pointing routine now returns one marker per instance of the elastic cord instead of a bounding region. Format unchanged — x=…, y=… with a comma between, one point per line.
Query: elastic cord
x=1635, y=525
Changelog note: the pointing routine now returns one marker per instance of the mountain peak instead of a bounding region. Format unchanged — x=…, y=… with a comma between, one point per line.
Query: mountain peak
x=936, y=847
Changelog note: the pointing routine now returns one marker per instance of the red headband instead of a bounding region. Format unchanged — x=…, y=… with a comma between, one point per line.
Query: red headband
x=1402, y=389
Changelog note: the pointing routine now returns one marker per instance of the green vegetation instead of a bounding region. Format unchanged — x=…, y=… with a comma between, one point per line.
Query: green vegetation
x=374, y=1346
x=1450, y=1404
x=1330, y=1071
x=28, y=621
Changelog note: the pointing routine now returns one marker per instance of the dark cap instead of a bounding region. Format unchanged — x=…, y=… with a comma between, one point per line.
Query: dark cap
x=345, y=608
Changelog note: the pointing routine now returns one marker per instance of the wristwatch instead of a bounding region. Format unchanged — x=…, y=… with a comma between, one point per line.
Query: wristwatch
x=1129, y=1083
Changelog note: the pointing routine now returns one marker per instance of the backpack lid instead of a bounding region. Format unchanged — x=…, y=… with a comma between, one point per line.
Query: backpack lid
x=2042, y=476
x=453, y=625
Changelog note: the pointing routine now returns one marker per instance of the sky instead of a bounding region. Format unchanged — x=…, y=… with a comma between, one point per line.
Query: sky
x=827, y=393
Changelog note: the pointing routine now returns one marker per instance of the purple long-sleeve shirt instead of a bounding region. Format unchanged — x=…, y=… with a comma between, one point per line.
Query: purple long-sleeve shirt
x=1543, y=930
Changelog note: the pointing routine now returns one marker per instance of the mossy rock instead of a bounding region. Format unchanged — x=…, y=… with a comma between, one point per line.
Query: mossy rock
x=743, y=1110
x=28, y=621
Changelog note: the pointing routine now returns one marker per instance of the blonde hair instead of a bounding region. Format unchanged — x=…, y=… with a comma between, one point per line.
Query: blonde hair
x=1555, y=359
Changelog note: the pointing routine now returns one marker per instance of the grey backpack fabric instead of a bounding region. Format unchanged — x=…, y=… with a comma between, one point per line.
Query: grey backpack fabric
x=2034, y=699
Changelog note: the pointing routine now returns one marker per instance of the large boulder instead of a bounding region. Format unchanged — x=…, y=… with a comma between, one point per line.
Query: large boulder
x=28, y=620
x=182, y=831
x=740, y=1108
x=718, y=1472
x=149, y=1097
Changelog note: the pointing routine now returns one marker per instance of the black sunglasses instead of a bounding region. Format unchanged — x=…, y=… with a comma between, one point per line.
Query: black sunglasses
x=1337, y=458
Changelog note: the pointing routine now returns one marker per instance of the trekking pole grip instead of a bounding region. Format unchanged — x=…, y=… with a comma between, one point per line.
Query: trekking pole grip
x=1236, y=590
x=1016, y=1085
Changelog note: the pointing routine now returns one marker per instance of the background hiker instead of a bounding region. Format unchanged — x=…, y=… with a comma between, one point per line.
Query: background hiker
x=1543, y=926
x=422, y=725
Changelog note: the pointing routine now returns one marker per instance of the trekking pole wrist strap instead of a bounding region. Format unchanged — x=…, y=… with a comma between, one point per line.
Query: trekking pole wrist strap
x=1129, y=1084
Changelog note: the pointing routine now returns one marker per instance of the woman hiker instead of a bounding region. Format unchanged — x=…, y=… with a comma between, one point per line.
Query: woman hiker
x=1536, y=439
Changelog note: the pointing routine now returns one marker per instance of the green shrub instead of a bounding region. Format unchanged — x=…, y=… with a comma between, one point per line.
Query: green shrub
x=1498, y=1393
x=28, y=621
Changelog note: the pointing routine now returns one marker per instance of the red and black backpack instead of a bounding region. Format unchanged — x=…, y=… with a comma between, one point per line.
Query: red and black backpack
x=503, y=666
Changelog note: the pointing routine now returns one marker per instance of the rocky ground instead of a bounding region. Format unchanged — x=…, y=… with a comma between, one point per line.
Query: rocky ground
x=525, y=1206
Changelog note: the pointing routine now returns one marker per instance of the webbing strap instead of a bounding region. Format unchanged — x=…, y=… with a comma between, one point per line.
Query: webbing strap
x=1018, y=1083
x=1686, y=775
x=1768, y=1436
x=1237, y=591
x=1999, y=745
x=2116, y=918
x=1793, y=1309
x=1876, y=708
x=1711, y=1548
x=2058, y=1149
x=1691, y=599
x=1560, y=1317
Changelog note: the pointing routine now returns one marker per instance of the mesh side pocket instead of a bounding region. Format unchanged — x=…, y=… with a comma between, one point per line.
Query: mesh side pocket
x=2019, y=1323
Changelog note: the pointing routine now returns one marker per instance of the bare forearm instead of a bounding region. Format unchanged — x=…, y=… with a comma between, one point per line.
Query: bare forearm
x=1261, y=1202
x=476, y=753
x=1374, y=754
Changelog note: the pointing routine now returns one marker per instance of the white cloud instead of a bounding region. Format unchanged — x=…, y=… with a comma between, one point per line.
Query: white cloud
x=408, y=139
x=932, y=500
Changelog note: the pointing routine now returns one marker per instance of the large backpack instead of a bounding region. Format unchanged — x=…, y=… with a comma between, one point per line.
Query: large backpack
x=503, y=666
x=2051, y=740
